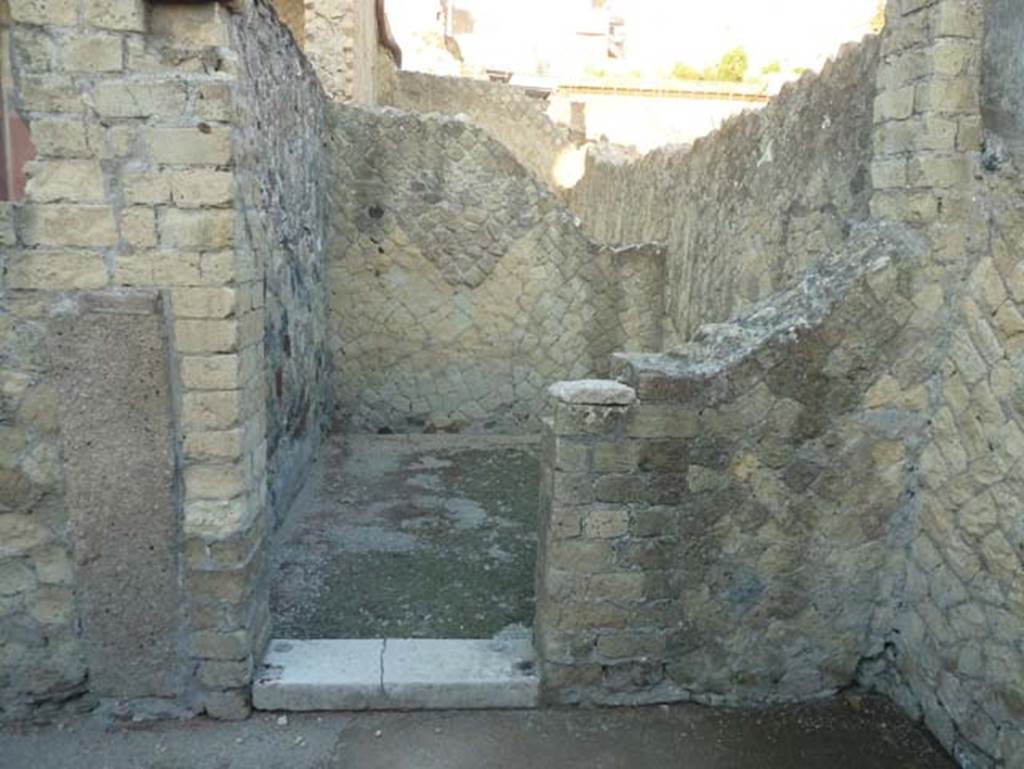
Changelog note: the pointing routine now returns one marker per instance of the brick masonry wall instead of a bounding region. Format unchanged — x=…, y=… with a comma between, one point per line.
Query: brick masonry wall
x=460, y=286
x=147, y=179
x=128, y=183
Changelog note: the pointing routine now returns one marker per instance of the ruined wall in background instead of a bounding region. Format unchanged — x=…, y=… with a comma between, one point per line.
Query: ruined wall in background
x=622, y=198
x=508, y=113
x=754, y=204
x=460, y=287
x=279, y=164
x=341, y=44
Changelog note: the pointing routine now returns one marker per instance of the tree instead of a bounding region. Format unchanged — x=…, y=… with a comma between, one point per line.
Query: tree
x=772, y=68
x=733, y=66
x=683, y=71
x=877, y=22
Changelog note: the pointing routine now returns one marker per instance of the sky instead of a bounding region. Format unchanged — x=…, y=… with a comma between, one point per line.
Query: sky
x=659, y=32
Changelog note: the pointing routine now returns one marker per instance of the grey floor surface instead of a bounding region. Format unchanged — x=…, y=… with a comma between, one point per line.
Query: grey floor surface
x=410, y=536
x=845, y=733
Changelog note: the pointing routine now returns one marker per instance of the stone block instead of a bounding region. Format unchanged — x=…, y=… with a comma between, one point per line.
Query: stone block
x=566, y=522
x=952, y=95
x=66, y=225
x=583, y=556
x=74, y=181
x=622, y=488
x=47, y=92
x=225, y=674
x=7, y=234
x=190, y=26
x=16, y=577
x=206, y=336
x=146, y=188
x=215, y=101
x=661, y=421
x=887, y=173
x=957, y=18
x=56, y=270
x=203, y=145
x=210, y=372
x=119, y=15
x=214, y=410
x=320, y=675
x=202, y=230
x=217, y=519
x=119, y=468
x=593, y=392
x=232, y=705
x=61, y=13
x=213, y=444
x=53, y=566
x=199, y=188
x=606, y=524
x=572, y=488
x=213, y=481
x=166, y=99
x=572, y=419
x=894, y=104
x=200, y=302
x=630, y=646
x=93, y=53
x=52, y=605
x=19, y=534
x=138, y=227
x=620, y=456
x=571, y=456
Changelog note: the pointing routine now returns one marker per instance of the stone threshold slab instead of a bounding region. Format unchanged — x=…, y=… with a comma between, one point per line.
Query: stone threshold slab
x=396, y=674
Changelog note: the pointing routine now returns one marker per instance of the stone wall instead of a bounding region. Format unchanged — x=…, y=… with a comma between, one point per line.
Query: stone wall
x=341, y=43
x=151, y=176
x=688, y=535
x=952, y=652
x=719, y=528
x=1003, y=73
x=509, y=114
x=751, y=206
x=460, y=287
x=279, y=162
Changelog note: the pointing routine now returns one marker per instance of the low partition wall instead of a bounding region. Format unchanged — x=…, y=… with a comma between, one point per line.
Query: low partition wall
x=718, y=525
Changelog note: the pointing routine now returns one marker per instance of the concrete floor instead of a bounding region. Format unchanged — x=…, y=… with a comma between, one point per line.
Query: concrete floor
x=410, y=536
x=848, y=733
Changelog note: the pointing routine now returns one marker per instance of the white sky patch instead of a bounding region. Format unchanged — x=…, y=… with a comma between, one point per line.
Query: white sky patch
x=659, y=33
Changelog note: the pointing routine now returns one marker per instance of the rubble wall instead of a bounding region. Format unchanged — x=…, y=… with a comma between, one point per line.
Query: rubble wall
x=751, y=206
x=460, y=286
x=508, y=113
